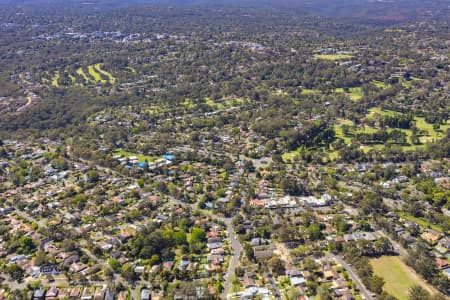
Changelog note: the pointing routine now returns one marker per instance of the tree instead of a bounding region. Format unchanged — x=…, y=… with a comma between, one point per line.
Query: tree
x=300, y=251
x=309, y=264
x=114, y=264
x=34, y=285
x=92, y=176
x=69, y=245
x=340, y=224
x=376, y=284
x=314, y=232
x=26, y=245
x=420, y=260
x=40, y=258
x=417, y=292
x=287, y=233
x=292, y=293
x=197, y=235
x=109, y=274
x=290, y=186
x=277, y=266
x=323, y=292
x=15, y=271
x=436, y=126
x=127, y=272
x=249, y=252
x=415, y=139
x=180, y=237
x=364, y=225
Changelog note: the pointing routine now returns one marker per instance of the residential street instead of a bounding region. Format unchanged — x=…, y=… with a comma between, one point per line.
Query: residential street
x=355, y=278
x=274, y=284
x=234, y=261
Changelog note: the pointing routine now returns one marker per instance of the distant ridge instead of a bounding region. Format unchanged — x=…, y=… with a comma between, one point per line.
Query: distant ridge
x=387, y=10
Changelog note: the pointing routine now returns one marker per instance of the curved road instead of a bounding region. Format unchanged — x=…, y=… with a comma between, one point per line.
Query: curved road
x=234, y=242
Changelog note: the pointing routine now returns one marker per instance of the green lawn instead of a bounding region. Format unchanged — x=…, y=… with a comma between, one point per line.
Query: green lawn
x=379, y=111
x=289, y=156
x=138, y=292
x=333, y=154
x=280, y=92
x=421, y=222
x=72, y=79
x=405, y=83
x=354, y=93
x=310, y=91
x=235, y=102
x=368, y=129
x=98, y=68
x=367, y=148
x=338, y=129
x=397, y=276
x=188, y=103
x=80, y=72
x=55, y=79
x=432, y=135
x=222, y=104
x=214, y=105
x=95, y=74
x=131, y=69
x=380, y=84
x=333, y=57
x=140, y=157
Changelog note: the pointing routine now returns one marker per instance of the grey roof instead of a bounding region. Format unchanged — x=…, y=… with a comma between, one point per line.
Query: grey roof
x=109, y=295
x=39, y=293
x=145, y=294
x=213, y=245
x=257, y=241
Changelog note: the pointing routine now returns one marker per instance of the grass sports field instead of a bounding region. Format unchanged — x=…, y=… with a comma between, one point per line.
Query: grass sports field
x=398, y=277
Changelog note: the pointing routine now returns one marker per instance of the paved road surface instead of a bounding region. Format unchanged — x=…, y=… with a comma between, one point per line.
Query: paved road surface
x=235, y=245
x=234, y=261
x=103, y=264
x=234, y=242
x=29, y=218
x=355, y=278
x=276, y=290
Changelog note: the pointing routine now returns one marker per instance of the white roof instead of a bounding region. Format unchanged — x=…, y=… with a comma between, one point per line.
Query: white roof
x=297, y=281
